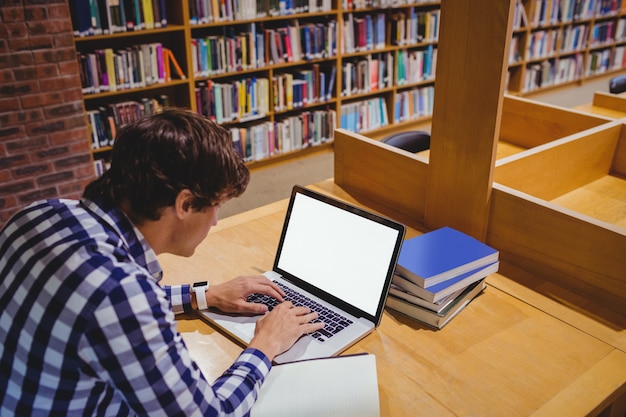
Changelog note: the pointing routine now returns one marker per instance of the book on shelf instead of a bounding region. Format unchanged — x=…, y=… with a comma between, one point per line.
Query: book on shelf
x=441, y=290
x=103, y=17
x=432, y=318
x=171, y=62
x=105, y=121
x=442, y=254
x=337, y=386
x=148, y=14
x=331, y=84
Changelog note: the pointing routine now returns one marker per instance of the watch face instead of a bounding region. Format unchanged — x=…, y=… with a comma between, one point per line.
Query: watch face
x=201, y=284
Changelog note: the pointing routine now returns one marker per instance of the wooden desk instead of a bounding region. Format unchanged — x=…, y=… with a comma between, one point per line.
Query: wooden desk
x=502, y=356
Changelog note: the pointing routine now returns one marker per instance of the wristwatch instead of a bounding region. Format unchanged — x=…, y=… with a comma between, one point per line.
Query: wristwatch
x=200, y=289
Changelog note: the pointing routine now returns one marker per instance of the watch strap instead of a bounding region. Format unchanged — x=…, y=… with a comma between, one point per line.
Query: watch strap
x=200, y=289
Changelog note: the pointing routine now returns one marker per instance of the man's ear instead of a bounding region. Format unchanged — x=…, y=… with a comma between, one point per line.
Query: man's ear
x=182, y=204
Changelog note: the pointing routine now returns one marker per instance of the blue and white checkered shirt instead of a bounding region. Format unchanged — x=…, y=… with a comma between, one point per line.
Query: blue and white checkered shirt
x=86, y=329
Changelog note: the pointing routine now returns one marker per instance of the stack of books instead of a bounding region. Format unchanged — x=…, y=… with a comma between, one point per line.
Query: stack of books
x=438, y=274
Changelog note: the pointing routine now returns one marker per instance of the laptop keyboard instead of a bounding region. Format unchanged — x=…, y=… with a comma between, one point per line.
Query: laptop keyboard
x=333, y=322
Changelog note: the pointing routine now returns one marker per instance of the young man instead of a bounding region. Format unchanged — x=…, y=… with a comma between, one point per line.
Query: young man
x=85, y=326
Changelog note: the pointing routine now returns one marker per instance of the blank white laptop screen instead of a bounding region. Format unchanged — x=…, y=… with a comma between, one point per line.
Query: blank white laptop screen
x=355, y=250
x=340, y=256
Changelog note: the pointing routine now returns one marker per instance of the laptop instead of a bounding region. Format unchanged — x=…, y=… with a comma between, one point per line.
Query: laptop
x=338, y=256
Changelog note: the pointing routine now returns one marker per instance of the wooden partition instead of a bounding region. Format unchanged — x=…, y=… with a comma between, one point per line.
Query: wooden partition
x=537, y=219
x=526, y=123
x=610, y=101
x=558, y=210
x=618, y=166
x=562, y=165
x=387, y=178
x=606, y=104
x=570, y=249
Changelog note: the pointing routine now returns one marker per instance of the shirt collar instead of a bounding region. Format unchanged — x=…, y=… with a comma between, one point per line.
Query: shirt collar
x=131, y=236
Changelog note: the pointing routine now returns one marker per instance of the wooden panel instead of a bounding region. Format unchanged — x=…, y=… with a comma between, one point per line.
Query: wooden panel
x=611, y=101
x=392, y=180
x=618, y=407
x=507, y=149
x=603, y=199
x=619, y=162
x=600, y=111
x=467, y=111
x=560, y=166
x=527, y=123
x=576, y=251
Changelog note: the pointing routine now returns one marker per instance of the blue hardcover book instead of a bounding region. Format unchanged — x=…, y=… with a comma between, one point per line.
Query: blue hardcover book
x=343, y=120
x=81, y=17
x=139, y=23
x=428, y=62
x=204, y=57
x=369, y=33
x=384, y=119
x=322, y=84
x=163, y=13
x=331, y=84
x=96, y=26
x=253, y=93
x=305, y=33
x=442, y=290
x=441, y=255
x=380, y=30
x=352, y=119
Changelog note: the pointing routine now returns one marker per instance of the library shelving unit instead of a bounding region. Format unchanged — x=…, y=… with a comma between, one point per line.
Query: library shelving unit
x=280, y=76
x=123, y=66
x=560, y=42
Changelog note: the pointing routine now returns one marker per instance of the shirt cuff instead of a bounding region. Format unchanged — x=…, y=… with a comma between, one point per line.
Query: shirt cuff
x=180, y=298
x=259, y=361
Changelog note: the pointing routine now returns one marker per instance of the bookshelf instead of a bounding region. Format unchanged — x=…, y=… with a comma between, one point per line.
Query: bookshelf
x=285, y=74
x=280, y=76
x=125, y=72
x=560, y=42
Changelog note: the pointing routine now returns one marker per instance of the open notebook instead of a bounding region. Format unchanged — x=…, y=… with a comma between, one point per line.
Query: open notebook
x=337, y=256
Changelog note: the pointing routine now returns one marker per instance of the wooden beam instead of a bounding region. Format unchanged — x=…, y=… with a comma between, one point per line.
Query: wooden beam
x=471, y=69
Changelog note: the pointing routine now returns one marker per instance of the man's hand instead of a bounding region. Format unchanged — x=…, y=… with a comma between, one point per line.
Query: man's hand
x=231, y=296
x=278, y=330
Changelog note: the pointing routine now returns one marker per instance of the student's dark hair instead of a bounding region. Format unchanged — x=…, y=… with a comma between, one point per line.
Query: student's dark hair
x=156, y=157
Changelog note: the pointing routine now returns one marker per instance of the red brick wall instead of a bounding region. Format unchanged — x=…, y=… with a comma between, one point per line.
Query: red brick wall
x=44, y=142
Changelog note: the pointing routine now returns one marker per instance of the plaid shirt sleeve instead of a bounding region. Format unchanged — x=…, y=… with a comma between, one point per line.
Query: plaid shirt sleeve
x=180, y=297
x=134, y=344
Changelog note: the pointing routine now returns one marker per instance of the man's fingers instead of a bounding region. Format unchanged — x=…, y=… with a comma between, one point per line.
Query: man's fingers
x=262, y=285
x=312, y=327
